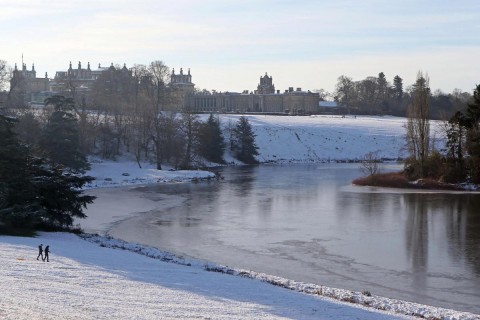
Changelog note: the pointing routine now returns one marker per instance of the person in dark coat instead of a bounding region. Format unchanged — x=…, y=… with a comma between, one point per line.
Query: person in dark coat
x=40, y=251
x=47, y=251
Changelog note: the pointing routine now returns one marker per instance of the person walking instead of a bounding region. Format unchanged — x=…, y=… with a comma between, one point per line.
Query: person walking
x=47, y=251
x=40, y=251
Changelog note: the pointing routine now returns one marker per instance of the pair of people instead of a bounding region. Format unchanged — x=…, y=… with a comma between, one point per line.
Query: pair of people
x=41, y=252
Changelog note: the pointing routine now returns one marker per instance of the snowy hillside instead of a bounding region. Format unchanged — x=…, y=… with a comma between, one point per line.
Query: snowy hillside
x=326, y=137
x=90, y=280
x=95, y=280
x=281, y=139
x=87, y=281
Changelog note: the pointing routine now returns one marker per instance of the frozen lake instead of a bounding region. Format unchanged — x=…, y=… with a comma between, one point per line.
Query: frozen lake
x=307, y=223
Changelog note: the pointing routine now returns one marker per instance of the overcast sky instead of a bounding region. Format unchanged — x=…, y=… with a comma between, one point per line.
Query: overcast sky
x=228, y=45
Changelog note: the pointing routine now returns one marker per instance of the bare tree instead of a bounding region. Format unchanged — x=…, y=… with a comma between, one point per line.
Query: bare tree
x=371, y=164
x=418, y=123
x=345, y=91
x=190, y=125
x=3, y=74
x=163, y=125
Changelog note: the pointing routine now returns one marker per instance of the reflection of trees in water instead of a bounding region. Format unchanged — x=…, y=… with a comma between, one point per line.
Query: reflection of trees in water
x=472, y=231
x=242, y=181
x=463, y=228
x=369, y=204
x=416, y=229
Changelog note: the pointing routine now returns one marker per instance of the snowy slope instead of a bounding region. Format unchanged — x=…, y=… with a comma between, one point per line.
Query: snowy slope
x=325, y=138
x=87, y=281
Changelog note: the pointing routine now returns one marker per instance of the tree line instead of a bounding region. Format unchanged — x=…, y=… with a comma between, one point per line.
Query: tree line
x=378, y=96
x=127, y=111
x=43, y=151
x=455, y=162
x=460, y=160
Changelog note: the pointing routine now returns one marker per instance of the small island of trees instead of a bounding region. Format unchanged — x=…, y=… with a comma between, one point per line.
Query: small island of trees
x=455, y=167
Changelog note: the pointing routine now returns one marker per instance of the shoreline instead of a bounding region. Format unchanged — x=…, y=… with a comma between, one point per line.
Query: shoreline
x=362, y=299
x=357, y=297
x=399, y=181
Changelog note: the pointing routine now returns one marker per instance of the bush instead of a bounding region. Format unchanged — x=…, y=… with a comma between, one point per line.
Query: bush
x=433, y=167
x=473, y=165
x=453, y=172
x=388, y=180
x=412, y=168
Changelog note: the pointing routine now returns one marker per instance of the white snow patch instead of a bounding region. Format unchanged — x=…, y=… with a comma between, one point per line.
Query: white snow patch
x=84, y=280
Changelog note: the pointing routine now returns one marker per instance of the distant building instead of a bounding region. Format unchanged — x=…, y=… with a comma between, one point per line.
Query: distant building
x=78, y=83
x=263, y=100
x=26, y=87
x=182, y=81
x=74, y=82
x=265, y=86
x=78, y=80
x=3, y=98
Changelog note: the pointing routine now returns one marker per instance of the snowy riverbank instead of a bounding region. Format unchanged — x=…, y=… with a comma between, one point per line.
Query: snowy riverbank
x=93, y=279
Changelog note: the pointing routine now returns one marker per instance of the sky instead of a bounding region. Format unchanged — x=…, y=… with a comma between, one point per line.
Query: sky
x=228, y=45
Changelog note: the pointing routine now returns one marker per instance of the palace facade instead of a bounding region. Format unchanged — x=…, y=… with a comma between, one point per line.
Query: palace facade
x=262, y=100
x=79, y=82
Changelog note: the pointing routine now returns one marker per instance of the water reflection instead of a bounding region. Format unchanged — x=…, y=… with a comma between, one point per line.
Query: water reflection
x=416, y=236
x=307, y=223
x=463, y=229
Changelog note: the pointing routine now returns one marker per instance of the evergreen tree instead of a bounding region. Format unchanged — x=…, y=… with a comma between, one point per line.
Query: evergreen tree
x=473, y=109
x=473, y=136
x=60, y=139
x=59, y=195
x=243, y=144
x=211, y=142
x=398, y=88
x=455, y=166
x=16, y=191
x=33, y=193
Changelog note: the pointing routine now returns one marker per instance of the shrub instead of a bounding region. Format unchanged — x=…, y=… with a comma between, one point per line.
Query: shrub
x=389, y=180
x=434, y=165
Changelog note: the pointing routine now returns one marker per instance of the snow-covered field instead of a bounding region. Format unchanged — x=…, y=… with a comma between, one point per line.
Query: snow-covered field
x=283, y=139
x=326, y=137
x=93, y=279
x=86, y=281
x=103, y=278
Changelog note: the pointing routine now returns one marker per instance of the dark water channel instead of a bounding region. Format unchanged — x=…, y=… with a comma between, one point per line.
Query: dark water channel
x=307, y=223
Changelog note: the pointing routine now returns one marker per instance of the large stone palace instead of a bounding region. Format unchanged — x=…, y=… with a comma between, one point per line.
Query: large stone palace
x=264, y=99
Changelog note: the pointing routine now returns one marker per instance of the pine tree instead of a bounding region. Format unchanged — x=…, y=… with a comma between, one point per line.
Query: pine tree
x=243, y=144
x=473, y=109
x=398, y=88
x=60, y=139
x=33, y=193
x=211, y=142
x=473, y=136
x=59, y=195
x=16, y=191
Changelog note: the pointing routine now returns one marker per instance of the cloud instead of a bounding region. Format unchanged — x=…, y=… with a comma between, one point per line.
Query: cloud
x=313, y=40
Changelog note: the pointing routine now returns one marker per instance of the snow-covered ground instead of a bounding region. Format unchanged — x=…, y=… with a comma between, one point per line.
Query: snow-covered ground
x=86, y=281
x=282, y=139
x=104, y=278
x=326, y=137
x=93, y=279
